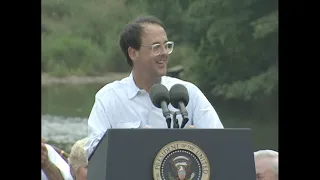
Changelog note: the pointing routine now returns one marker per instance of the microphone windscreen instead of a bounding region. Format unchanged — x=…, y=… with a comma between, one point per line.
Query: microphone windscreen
x=159, y=93
x=178, y=93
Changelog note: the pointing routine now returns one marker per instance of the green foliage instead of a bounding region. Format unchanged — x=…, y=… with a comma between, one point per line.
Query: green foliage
x=82, y=37
x=229, y=48
x=70, y=54
x=265, y=25
x=233, y=60
x=183, y=55
x=257, y=86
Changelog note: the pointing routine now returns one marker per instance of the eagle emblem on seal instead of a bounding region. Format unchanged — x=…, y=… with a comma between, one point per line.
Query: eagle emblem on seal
x=181, y=168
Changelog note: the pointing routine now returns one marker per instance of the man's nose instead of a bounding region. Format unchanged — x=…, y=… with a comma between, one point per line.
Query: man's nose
x=164, y=51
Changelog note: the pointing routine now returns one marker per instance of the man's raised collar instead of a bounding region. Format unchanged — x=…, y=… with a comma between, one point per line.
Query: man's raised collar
x=133, y=89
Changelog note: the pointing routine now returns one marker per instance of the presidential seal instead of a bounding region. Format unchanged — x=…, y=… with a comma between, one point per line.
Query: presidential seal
x=181, y=160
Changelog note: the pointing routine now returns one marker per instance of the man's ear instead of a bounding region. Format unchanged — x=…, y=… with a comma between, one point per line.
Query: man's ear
x=133, y=53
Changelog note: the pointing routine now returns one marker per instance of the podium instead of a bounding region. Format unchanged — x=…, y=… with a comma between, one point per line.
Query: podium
x=173, y=154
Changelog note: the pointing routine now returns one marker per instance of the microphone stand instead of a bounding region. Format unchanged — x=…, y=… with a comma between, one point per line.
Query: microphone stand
x=185, y=119
x=175, y=121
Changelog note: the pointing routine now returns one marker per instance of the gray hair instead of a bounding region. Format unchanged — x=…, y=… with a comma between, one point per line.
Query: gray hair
x=268, y=154
x=78, y=157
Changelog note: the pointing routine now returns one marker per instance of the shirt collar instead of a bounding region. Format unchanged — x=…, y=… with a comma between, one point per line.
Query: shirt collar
x=133, y=89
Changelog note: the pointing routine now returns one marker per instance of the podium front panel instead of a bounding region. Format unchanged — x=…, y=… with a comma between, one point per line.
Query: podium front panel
x=226, y=154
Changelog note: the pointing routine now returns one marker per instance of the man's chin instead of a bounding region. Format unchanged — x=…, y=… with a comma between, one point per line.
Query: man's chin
x=162, y=72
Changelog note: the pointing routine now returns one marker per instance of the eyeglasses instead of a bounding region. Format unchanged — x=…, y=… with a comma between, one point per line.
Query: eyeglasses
x=156, y=49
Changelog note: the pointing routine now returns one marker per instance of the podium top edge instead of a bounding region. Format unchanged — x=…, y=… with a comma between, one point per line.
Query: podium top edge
x=197, y=129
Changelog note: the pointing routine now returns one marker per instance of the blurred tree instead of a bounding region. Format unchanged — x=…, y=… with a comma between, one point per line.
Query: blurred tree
x=229, y=48
x=238, y=47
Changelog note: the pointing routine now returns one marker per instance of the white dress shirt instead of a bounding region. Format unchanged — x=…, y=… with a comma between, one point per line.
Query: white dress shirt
x=121, y=104
x=61, y=164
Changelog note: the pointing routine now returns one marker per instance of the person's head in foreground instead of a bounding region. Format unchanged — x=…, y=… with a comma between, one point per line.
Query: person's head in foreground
x=78, y=160
x=146, y=47
x=266, y=162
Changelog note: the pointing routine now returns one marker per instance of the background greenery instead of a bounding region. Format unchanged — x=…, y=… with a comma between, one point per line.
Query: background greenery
x=229, y=48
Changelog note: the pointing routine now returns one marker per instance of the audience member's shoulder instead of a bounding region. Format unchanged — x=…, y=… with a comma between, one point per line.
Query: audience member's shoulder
x=51, y=152
x=170, y=81
x=110, y=89
x=49, y=147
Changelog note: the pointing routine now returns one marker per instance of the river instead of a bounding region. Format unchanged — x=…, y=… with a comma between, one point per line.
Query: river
x=65, y=108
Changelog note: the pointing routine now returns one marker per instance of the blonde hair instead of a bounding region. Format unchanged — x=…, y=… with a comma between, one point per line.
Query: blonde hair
x=271, y=155
x=78, y=157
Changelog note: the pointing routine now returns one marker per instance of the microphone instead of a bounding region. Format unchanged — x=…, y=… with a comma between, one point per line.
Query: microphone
x=160, y=98
x=179, y=98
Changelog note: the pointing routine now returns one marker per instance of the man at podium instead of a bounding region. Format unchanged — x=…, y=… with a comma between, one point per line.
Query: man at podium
x=127, y=103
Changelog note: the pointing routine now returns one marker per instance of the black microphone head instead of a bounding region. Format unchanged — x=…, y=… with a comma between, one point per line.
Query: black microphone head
x=178, y=93
x=159, y=93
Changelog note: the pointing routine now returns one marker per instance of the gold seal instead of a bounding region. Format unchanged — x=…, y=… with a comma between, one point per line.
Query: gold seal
x=181, y=160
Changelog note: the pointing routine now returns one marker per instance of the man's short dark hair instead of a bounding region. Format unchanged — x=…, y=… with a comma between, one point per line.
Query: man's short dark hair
x=131, y=35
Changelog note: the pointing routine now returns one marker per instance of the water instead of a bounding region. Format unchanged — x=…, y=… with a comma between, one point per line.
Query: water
x=65, y=109
x=63, y=131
